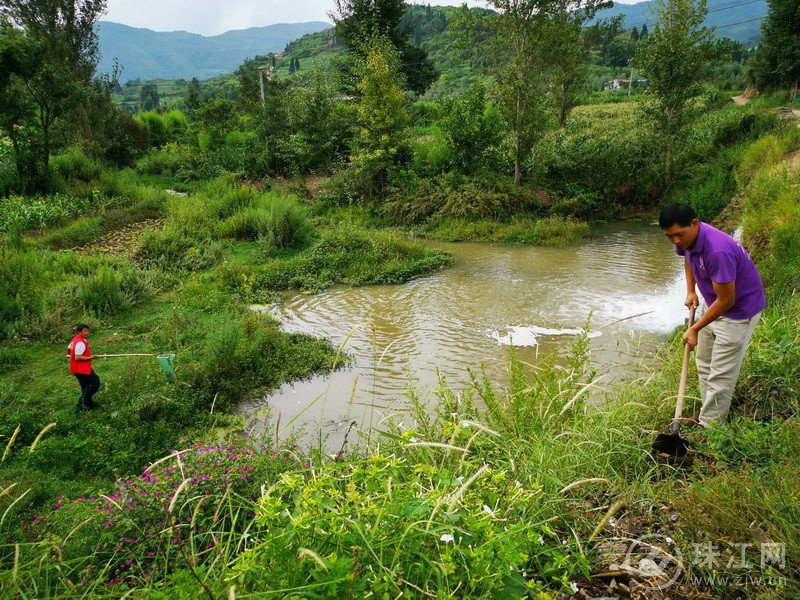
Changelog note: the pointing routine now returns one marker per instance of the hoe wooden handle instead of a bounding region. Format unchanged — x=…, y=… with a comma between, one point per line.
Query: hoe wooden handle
x=676, y=424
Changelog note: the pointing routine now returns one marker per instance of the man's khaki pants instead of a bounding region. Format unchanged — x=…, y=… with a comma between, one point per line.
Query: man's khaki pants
x=721, y=347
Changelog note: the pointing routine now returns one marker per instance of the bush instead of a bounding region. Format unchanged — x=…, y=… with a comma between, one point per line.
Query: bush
x=75, y=165
x=249, y=223
x=171, y=249
x=288, y=226
x=163, y=128
x=78, y=233
x=415, y=200
x=22, y=213
x=106, y=291
x=168, y=160
x=23, y=278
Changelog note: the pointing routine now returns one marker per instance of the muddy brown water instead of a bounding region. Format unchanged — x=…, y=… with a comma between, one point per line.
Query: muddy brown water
x=468, y=316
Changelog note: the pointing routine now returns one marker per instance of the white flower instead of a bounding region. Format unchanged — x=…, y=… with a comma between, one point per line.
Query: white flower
x=446, y=537
x=564, y=542
x=488, y=510
x=525, y=574
x=460, y=478
x=668, y=539
x=612, y=521
x=414, y=440
x=541, y=540
x=574, y=587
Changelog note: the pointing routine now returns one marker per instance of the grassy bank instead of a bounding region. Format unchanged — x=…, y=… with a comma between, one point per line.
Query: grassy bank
x=529, y=495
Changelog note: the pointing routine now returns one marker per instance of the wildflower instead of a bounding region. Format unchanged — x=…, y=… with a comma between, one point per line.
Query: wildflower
x=414, y=440
x=446, y=537
x=564, y=542
x=668, y=539
x=574, y=587
x=541, y=541
x=488, y=510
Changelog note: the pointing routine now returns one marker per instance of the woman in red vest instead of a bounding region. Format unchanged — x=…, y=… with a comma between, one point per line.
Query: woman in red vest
x=80, y=365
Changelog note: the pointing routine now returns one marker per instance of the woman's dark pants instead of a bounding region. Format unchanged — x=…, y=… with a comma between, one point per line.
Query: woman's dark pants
x=90, y=383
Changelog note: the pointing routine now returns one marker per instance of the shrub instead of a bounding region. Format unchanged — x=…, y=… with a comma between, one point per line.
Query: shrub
x=288, y=226
x=23, y=278
x=100, y=293
x=416, y=200
x=21, y=213
x=78, y=233
x=125, y=536
x=168, y=160
x=171, y=249
x=249, y=223
x=74, y=164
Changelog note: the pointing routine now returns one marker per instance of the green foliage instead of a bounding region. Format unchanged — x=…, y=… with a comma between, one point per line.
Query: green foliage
x=172, y=249
x=554, y=230
x=74, y=164
x=22, y=283
x=79, y=232
x=416, y=200
x=163, y=128
x=172, y=159
x=22, y=213
x=776, y=63
x=289, y=226
x=473, y=128
x=253, y=347
x=672, y=58
x=383, y=117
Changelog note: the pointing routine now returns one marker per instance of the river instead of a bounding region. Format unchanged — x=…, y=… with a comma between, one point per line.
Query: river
x=466, y=316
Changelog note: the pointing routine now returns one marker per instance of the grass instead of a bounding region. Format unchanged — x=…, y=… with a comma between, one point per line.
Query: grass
x=522, y=229
x=512, y=492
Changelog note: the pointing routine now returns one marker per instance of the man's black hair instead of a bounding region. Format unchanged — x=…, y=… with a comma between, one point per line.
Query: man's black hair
x=80, y=327
x=676, y=214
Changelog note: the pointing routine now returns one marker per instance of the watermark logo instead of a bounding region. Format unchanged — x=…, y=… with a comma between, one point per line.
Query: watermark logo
x=658, y=565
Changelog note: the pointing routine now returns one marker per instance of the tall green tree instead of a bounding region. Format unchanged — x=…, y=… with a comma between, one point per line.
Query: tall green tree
x=360, y=22
x=672, y=59
x=192, y=98
x=776, y=63
x=472, y=124
x=149, y=98
x=383, y=119
x=530, y=35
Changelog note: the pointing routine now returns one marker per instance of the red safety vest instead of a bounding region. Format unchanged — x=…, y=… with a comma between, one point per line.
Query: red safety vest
x=82, y=366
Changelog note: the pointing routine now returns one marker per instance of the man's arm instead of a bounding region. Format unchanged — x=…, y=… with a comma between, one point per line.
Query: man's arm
x=726, y=296
x=692, y=300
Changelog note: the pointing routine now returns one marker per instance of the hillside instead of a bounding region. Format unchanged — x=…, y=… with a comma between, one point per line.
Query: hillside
x=739, y=20
x=147, y=54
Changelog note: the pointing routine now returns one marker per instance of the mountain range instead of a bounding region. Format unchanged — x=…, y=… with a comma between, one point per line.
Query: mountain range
x=146, y=54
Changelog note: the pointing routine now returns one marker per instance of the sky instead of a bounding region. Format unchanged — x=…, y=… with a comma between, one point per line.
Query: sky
x=212, y=17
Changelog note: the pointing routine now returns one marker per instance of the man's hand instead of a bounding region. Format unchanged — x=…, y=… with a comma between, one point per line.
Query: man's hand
x=692, y=301
x=690, y=338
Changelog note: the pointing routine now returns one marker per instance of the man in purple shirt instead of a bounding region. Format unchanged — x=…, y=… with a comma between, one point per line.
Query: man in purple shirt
x=731, y=287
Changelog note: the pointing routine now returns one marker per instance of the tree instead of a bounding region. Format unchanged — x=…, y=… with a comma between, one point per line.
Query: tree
x=776, y=62
x=65, y=29
x=192, y=99
x=383, y=118
x=292, y=67
x=471, y=125
x=634, y=35
x=645, y=32
x=148, y=97
x=527, y=33
x=360, y=22
x=673, y=60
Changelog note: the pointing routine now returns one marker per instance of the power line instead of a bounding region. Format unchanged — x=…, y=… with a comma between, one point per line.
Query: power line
x=729, y=6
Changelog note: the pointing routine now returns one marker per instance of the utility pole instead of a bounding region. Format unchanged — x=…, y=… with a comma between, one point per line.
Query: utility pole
x=269, y=71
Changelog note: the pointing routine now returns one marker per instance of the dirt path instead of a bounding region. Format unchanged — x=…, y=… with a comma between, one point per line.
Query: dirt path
x=123, y=242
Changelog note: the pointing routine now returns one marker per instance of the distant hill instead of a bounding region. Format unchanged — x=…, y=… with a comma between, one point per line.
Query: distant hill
x=147, y=54
x=738, y=20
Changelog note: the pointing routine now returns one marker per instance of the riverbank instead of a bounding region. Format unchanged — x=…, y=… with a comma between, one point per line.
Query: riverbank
x=534, y=494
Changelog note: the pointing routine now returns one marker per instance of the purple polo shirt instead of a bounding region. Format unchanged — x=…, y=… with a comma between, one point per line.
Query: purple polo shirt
x=718, y=257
